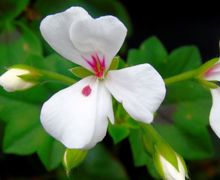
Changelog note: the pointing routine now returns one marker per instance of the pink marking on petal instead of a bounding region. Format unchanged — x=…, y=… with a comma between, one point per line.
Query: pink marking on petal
x=86, y=91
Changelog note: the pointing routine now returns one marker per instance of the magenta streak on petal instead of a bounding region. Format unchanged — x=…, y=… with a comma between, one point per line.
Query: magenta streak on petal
x=97, y=64
x=86, y=91
x=215, y=69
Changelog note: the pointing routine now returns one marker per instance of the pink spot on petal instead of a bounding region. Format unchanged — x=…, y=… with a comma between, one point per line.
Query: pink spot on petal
x=86, y=91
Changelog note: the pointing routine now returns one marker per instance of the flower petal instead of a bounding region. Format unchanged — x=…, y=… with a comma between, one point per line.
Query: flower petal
x=104, y=35
x=104, y=111
x=214, y=117
x=55, y=30
x=78, y=116
x=140, y=89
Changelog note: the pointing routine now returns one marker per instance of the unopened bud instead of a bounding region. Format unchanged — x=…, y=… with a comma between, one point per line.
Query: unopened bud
x=72, y=158
x=168, y=170
x=11, y=81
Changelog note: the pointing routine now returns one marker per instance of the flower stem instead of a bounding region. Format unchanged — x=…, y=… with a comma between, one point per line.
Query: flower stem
x=150, y=137
x=58, y=77
x=181, y=77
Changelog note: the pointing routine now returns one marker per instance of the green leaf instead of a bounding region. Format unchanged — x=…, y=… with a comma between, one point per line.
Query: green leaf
x=190, y=107
x=81, y=72
x=195, y=111
x=187, y=91
x=118, y=132
x=23, y=133
x=100, y=164
x=140, y=156
x=183, y=59
x=72, y=158
x=16, y=44
x=10, y=9
x=191, y=102
x=151, y=51
x=50, y=152
x=192, y=144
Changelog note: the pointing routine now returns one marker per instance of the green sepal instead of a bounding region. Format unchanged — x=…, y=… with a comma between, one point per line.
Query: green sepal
x=80, y=72
x=207, y=84
x=158, y=165
x=72, y=158
x=115, y=63
x=168, y=153
x=30, y=78
x=33, y=76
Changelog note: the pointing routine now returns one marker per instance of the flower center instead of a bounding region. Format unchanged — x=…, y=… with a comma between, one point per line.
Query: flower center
x=86, y=91
x=97, y=64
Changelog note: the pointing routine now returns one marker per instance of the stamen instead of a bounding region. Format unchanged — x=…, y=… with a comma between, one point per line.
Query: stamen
x=97, y=64
x=86, y=91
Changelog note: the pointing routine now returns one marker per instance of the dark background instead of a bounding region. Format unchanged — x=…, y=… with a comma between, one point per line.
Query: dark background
x=183, y=23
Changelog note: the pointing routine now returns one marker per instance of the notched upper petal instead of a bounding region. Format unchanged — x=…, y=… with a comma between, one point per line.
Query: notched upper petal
x=104, y=35
x=74, y=34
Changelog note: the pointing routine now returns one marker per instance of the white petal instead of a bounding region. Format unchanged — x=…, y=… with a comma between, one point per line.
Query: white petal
x=104, y=111
x=78, y=121
x=214, y=114
x=104, y=35
x=55, y=30
x=140, y=89
x=11, y=82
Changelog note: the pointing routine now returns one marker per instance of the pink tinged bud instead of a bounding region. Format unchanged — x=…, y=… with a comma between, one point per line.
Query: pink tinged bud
x=97, y=64
x=86, y=91
x=213, y=70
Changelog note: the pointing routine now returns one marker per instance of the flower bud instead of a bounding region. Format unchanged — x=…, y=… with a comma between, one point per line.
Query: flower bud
x=168, y=170
x=72, y=158
x=11, y=81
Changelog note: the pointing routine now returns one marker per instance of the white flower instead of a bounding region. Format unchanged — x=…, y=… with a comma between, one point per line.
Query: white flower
x=213, y=74
x=11, y=81
x=78, y=115
x=170, y=172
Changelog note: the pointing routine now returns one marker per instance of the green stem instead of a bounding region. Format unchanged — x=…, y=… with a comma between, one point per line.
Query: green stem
x=150, y=137
x=57, y=77
x=181, y=77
